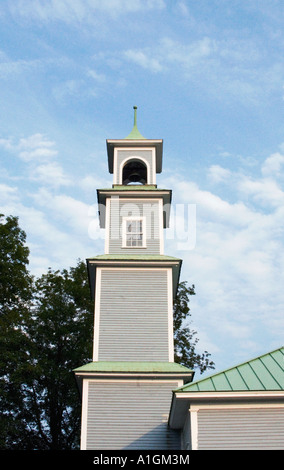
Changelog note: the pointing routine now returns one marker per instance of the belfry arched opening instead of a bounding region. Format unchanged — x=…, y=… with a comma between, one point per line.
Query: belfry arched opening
x=134, y=171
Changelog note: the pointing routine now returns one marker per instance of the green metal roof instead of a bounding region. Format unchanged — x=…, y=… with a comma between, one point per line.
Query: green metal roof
x=135, y=257
x=265, y=372
x=135, y=134
x=131, y=187
x=132, y=366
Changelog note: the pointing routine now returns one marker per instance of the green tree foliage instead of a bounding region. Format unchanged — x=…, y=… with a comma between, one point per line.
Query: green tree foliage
x=46, y=330
x=185, y=340
x=15, y=302
x=60, y=331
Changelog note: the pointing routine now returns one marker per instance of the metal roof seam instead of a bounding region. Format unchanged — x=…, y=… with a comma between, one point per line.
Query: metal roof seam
x=272, y=376
x=278, y=363
x=252, y=376
x=228, y=381
x=242, y=377
x=254, y=372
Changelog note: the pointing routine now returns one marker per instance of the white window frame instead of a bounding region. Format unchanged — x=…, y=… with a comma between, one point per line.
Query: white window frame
x=124, y=232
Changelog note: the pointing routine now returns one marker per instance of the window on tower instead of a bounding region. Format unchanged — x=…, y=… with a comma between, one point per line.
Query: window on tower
x=133, y=232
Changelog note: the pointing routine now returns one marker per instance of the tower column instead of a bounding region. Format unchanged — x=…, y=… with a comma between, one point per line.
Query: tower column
x=127, y=389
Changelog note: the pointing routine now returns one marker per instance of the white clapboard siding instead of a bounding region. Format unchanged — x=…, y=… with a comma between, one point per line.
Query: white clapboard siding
x=149, y=209
x=241, y=428
x=130, y=415
x=133, y=323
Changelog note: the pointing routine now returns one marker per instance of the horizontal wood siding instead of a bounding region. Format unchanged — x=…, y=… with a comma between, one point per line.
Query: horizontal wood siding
x=120, y=208
x=130, y=415
x=133, y=322
x=241, y=428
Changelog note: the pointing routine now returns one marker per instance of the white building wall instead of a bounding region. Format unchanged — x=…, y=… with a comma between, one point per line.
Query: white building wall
x=239, y=427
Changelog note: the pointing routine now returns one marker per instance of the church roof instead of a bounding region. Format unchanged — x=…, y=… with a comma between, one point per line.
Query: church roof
x=133, y=369
x=265, y=372
x=261, y=378
x=135, y=138
x=133, y=366
x=135, y=257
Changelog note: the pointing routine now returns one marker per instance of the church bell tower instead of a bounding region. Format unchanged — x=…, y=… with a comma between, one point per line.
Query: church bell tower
x=127, y=389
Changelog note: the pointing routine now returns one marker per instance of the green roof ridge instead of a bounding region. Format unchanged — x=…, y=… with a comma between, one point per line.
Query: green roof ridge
x=129, y=187
x=253, y=365
x=135, y=134
x=136, y=257
x=132, y=366
x=135, y=186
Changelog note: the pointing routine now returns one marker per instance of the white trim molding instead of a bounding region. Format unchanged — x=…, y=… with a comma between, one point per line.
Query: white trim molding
x=117, y=172
x=97, y=315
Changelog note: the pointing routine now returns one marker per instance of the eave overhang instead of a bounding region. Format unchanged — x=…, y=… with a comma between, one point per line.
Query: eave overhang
x=133, y=261
x=143, y=143
x=132, y=371
x=126, y=192
x=182, y=401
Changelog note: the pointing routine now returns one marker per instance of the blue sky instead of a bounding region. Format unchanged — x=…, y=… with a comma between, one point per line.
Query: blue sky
x=208, y=78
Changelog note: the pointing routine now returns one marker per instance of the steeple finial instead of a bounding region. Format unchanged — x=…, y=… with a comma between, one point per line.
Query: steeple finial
x=135, y=134
x=135, y=115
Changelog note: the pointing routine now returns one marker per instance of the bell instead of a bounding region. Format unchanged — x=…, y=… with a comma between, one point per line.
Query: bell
x=134, y=177
x=134, y=172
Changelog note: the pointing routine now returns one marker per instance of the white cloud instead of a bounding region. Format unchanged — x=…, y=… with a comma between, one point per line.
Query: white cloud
x=10, y=67
x=169, y=53
x=6, y=144
x=237, y=262
x=265, y=191
x=56, y=227
x=143, y=59
x=52, y=243
x=50, y=174
x=35, y=141
x=223, y=67
x=273, y=165
x=71, y=212
x=35, y=147
x=38, y=152
x=218, y=174
x=98, y=77
x=7, y=193
x=90, y=184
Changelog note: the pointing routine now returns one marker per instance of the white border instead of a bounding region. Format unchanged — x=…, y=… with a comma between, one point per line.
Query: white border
x=193, y=429
x=98, y=301
x=84, y=414
x=107, y=226
x=117, y=172
x=97, y=314
x=161, y=226
x=170, y=315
